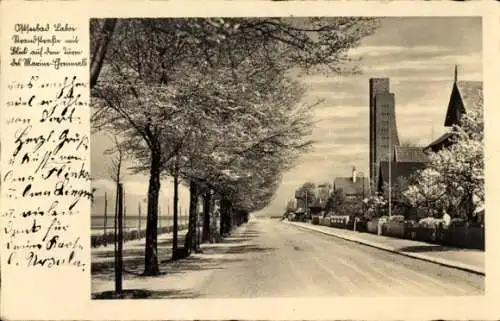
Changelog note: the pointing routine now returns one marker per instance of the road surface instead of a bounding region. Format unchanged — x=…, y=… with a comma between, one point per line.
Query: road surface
x=269, y=258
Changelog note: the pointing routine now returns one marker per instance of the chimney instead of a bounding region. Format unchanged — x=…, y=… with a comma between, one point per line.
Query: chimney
x=354, y=174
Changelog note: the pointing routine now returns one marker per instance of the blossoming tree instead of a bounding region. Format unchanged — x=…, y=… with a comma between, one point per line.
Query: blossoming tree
x=455, y=177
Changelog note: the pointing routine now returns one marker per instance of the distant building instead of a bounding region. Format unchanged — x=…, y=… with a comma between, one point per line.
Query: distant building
x=317, y=198
x=465, y=96
x=300, y=203
x=383, y=129
x=406, y=161
x=353, y=186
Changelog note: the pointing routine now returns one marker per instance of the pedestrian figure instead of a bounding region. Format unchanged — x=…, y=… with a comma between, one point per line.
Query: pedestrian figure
x=446, y=218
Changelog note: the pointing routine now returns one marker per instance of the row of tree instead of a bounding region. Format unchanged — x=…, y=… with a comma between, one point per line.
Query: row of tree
x=213, y=103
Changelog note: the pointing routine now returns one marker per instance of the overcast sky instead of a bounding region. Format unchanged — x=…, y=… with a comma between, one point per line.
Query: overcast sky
x=417, y=54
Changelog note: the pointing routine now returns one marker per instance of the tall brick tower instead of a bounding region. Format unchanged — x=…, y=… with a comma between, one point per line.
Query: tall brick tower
x=382, y=123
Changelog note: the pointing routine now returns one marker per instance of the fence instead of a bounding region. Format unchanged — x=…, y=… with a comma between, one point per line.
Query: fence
x=342, y=221
x=109, y=238
x=372, y=227
x=394, y=229
x=463, y=236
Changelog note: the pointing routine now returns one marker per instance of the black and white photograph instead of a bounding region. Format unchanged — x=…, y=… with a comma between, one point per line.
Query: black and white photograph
x=287, y=157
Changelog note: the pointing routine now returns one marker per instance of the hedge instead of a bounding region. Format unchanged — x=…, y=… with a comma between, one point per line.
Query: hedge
x=130, y=235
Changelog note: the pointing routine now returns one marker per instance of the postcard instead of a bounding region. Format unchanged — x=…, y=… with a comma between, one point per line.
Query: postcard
x=249, y=160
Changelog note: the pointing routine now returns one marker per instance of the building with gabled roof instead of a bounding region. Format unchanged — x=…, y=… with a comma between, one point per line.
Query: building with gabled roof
x=399, y=171
x=443, y=141
x=465, y=96
x=353, y=186
x=406, y=162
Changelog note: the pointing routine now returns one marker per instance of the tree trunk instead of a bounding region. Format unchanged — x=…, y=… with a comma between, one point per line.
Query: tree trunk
x=230, y=218
x=100, y=51
x=470, y=207
x=151, y=256
x=175, y=228
x=193, y=215
x=207, y=200
x=225, y=216
x=223, y=210
x=236, y=217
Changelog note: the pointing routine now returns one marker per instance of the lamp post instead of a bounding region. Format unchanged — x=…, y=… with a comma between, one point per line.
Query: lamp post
x=105, y=212
x=119, y=242
x=307, y=208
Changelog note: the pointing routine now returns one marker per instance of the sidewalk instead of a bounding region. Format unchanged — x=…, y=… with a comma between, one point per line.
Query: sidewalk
x=463, y=259
x=179, y=279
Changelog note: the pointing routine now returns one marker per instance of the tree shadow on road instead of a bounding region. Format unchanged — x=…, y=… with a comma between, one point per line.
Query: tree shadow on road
x=145, y=294
x=237, y=240
x=215, y=256
x=198, y=263
x=133, y=258
x=248, y=248
x=105, y=270
x=249, y=234
x=133, y=268
x=236, y=246
x=103, y=263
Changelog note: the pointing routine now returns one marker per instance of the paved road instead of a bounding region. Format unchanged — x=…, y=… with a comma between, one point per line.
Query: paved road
x=268, y=258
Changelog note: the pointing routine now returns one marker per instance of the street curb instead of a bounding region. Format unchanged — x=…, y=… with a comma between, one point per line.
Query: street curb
x=443, y=262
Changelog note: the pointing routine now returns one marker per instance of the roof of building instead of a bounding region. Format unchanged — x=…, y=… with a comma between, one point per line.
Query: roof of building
x=471, y=93
x=349, y=187
x=405, y=154
x=465, y=95
x=398, y=170
x=440, y=140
